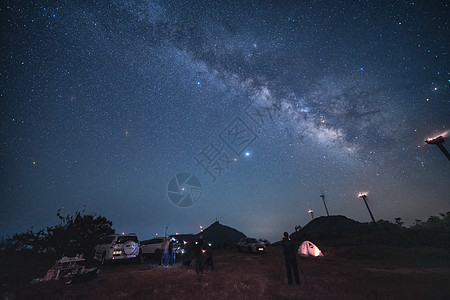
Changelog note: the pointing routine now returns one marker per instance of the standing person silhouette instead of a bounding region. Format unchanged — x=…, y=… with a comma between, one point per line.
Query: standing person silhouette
x=199, y=243
x=198, y=251
x=170, y=252
x=209, y=259
x=173, y=254
x=165, y=257
x=290, y=257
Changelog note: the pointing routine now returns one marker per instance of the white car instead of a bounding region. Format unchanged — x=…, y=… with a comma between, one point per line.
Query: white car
x=251, y=245
x=153, y=247
x=117, y=247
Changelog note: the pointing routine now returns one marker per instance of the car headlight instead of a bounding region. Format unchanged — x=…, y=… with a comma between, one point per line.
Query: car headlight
x=117, y=252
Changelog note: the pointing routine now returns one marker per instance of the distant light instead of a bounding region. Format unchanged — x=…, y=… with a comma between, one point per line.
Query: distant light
x=247, y=154
x=310, y=211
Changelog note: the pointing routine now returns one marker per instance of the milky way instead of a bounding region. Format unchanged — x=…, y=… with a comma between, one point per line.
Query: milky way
x=104, y=103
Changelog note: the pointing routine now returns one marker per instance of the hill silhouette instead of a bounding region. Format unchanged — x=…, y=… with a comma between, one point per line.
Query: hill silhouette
x=222, y=235
x=340, y=231
x=331, y=227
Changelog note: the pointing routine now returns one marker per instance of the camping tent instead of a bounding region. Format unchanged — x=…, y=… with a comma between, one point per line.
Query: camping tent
x=309, y=249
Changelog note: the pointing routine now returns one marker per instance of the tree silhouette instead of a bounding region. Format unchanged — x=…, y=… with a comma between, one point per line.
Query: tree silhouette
x=76, y=234
x=399, y=221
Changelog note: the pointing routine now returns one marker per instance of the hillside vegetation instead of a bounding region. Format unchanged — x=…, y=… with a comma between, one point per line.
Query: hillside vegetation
x=341, y=231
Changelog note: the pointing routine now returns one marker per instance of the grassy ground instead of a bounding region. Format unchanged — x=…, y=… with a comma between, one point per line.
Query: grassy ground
x=343, y=273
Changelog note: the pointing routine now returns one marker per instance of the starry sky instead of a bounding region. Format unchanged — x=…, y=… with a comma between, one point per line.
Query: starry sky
x=176, y=114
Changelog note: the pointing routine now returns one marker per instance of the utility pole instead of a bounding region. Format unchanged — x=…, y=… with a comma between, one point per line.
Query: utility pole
x=323, y=199
x=363, y=195
x=312, y=214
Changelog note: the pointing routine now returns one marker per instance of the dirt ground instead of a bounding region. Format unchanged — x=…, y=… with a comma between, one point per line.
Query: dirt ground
x=343, y=273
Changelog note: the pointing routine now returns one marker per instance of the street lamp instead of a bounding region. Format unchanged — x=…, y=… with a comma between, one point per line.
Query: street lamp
x=363, y=196
x=439, y=141
x=312, y=214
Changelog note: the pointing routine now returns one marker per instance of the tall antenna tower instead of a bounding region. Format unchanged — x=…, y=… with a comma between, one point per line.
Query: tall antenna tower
x=323, y=199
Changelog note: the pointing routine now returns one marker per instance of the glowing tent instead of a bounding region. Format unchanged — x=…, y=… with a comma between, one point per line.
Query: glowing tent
x=309, y=249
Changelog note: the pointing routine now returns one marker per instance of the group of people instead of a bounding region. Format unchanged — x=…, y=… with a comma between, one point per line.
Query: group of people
x=202, y=254
x=169, y=256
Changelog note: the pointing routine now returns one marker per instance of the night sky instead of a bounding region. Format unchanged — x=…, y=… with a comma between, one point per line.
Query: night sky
x=175, y=113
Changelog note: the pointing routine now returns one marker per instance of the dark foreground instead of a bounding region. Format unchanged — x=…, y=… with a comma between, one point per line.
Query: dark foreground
x=343, y=273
